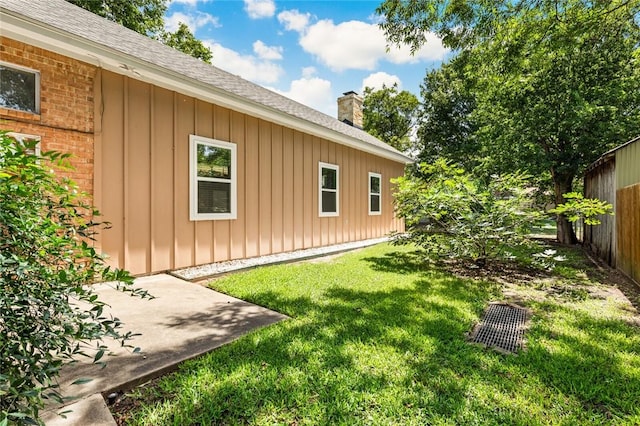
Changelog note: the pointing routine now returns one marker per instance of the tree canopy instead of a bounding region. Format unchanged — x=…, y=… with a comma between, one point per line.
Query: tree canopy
x=142, y=16
x=540, y=85
x=390, y=115
x=147, y=18
x=184, y=40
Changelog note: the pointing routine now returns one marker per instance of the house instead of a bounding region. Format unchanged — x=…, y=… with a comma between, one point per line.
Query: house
x=615, y=178
x=189, y=164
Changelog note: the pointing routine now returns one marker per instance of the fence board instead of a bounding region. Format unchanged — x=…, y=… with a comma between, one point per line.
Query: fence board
x=628, y=230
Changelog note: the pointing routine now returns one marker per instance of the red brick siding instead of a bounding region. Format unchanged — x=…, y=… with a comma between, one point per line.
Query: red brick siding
x=66, y=118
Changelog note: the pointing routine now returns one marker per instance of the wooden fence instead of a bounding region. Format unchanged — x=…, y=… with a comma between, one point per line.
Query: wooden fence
x=628, y=230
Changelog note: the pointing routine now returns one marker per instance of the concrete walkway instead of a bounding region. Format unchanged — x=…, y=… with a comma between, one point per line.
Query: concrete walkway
x=183, y=321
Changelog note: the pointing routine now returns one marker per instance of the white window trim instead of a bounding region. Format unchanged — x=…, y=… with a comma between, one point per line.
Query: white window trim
x=335, y=167
x=194, y=140
x=21, y=137
x=37, y=74
x=379, y=194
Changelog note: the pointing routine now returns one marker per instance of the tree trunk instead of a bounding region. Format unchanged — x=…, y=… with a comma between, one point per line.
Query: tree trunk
x=564, y=230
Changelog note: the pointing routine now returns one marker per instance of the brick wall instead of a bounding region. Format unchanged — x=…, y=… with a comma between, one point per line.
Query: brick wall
x=65, y=122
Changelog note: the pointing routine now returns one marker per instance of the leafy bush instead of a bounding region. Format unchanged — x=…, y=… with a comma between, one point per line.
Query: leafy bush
x=48, y=312
x=588, y=209
x=450, y=213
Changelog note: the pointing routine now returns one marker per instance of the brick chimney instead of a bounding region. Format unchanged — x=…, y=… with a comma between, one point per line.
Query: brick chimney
x=350, y=109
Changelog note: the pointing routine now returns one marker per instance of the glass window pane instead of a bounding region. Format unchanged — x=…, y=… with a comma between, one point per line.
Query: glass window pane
x=214, y=162
x=375, y=185
x=17, y=89
x=329, y=178
x=375, y=203
x=214, y=197
x=329, y=202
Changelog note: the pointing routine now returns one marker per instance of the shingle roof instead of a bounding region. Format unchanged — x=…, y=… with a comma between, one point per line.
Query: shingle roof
x=70, y=19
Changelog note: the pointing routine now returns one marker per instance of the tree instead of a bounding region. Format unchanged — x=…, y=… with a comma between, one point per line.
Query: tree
x=555, y=82
x=147, y=18
x=48, y=312
x=390, y=115
x=184, y=40
x=446, y=128
x=142, y=16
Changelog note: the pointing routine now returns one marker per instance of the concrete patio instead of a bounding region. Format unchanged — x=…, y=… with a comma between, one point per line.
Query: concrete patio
x=184, y=320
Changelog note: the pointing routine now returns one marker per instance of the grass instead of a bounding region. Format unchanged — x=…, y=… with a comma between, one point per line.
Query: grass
x=376, y=337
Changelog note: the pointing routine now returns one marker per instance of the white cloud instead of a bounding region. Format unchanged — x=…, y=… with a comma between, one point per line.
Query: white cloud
x=257, y=9
x=313, y=92
x=309, y=72
x=193, y=21
x=246, y=66
x=293, y=20
x=378, y=79
x=358, y=45
x=271, y=53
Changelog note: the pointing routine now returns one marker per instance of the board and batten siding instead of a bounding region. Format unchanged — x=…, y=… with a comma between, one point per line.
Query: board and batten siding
x=628, y=165
x=142, y=182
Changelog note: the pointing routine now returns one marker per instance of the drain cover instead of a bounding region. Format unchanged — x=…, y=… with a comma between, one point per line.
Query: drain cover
x=502, y=327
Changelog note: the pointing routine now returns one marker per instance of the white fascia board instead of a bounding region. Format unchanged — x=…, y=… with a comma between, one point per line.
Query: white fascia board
x=52, y=39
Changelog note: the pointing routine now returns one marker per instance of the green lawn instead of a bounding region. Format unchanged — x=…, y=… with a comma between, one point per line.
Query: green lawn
x=376, y=338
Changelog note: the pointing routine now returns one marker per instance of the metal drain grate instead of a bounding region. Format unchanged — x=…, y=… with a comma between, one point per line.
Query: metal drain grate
x=502, y=328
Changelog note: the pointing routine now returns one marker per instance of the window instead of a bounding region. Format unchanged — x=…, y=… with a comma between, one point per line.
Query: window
x=19, y=88
x=329, y=177
x=213, y=179
x=375, y=192
x=30, y=142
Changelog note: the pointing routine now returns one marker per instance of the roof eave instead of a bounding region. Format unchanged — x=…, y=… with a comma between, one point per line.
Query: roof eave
x=41, y=35
x=607, y=156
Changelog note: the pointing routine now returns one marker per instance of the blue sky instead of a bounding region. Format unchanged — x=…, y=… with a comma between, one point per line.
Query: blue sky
x=310, y=51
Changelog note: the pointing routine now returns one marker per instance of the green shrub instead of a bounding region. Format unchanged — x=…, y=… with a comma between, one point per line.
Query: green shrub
x=48, y=311
x=450, y=213
x=588, y=209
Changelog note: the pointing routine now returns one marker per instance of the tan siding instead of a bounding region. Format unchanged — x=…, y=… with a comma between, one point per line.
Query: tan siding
x=251, y=188
x=277, y=230
x=137, y=178
x=288, y=177
x=299, y=195
x=162, y=230
x=265, y=187
x=144, y=178
x=339, y=238
x=237, y=227
x=351, y=214
x=309, y=177
x=185, y=234
x=359, y=212
x=112, y=156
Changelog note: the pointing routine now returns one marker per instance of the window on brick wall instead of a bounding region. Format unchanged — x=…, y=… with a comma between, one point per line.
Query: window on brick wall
x=19, y=88
x=30, y=142
x=329, y=178
x=213, y=179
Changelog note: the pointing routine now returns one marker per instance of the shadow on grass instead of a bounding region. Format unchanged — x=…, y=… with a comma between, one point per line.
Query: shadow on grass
x=398, y=354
